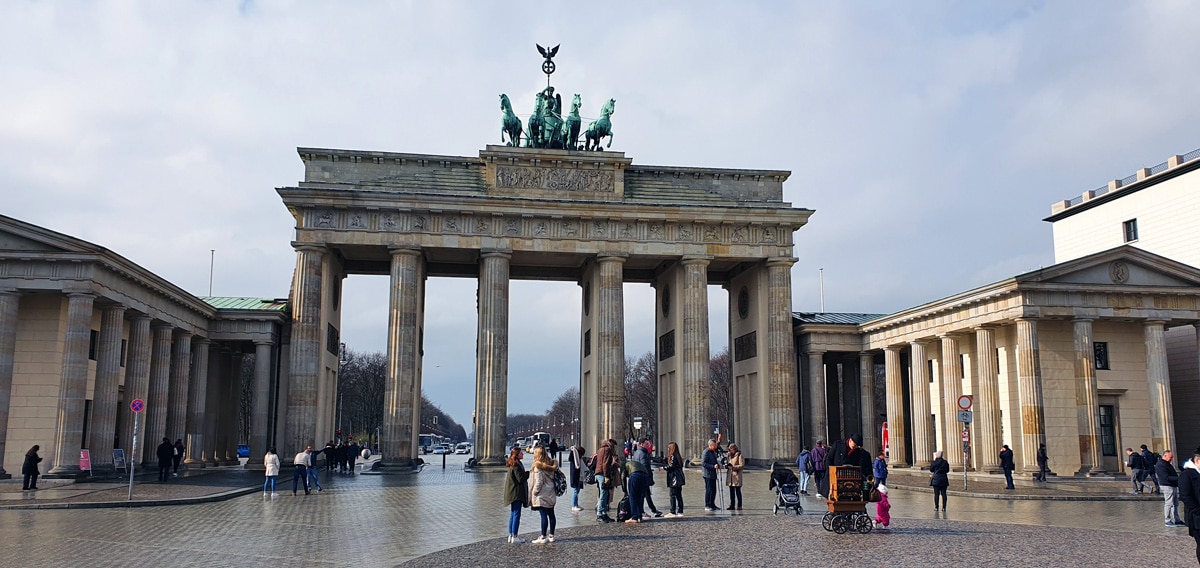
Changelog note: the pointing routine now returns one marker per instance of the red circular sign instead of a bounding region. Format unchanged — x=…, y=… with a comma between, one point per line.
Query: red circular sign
x=137, y=405
x=964, y=402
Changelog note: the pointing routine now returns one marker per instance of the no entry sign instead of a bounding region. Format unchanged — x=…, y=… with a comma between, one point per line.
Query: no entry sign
x=137, y=405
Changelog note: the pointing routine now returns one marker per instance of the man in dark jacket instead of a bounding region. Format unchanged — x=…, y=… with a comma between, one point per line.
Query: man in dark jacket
x=1006, y=464
x=850, y=453
x=642, y=454
x=352, y=455
x=1189, y=493
x=166, y=451
x=1148, y=463
x=708, y=470
x=1170, y=488
x=1133, y=461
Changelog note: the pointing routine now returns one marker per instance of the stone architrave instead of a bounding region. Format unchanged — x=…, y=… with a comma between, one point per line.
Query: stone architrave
x=866, y=390
x=1087, y=399
x=9, y=302
x=68, y=435
x=1029, y=386
x=695, y=359
x=197, y=399
x=781, y=365
x=1162, y=422
x=401, y=404
x=305, y=349
x=818, y=417
x=951, y=390
x=922, y=423
x=897, y=444
x=104, y=398
x=987, y=401
x=261, y=410
x=491, y=375
x=160, y=382
x=181, y=370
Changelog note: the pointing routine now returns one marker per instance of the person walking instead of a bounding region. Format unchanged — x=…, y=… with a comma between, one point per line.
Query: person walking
x=352, y=455
x=804, y=463
x=939, y=479
x=301, y=463
x=575, y=459
x=883, y=509
x=542, y=496
x=177, y=456
x=165, y=451
x=642, y=454
x=708, y=470
x=1007, y=464
x=271, y=463
x=880, y=470
x=1149, y=460
x=818, y=454
x=1169, y=478
x=330, y=455
x=1133, y=461
x=516, y=494
x=1189, y=493
x=734, y=479
x=29, y=469
x=604, y=465
x=314, y=470
x=1043, y=462
x=675, y=479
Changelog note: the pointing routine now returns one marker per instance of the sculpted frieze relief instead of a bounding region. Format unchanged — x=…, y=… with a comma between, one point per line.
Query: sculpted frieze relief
x=554, y=179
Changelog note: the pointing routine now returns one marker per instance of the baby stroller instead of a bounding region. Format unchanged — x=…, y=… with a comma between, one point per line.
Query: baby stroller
x=787, y=490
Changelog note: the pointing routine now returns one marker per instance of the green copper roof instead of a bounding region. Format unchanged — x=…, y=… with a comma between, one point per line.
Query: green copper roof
x=237, y=303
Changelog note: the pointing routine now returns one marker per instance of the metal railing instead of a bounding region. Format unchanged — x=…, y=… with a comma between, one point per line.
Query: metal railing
x=1153, y=170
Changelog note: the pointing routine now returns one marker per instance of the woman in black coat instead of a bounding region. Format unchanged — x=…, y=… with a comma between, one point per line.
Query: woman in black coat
x=939, y=479
x=30, y=469
x=1189, y=493
x=576, y=458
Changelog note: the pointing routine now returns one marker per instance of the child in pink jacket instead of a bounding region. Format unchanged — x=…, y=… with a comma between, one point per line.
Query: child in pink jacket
x=883, y=509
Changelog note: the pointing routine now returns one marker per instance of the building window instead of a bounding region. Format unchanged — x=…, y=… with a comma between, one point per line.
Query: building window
x=1108, y=431
x=1130, y=227
x=1101, y=351
x=124, y=344
x=93, y=341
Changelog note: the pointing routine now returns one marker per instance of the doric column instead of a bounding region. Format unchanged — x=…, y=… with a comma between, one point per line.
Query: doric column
x=491, y=375
x=818, y=414
x=987, y=400
x=231, y=401
x=951, y=390
x=181, y=370
x=1162, y=418
x=307, y=340
x=68, y=434
x=160, y=382
x=694, y=351
x=866, y=390
x=9, y=302
x=401, y=406
x=218, y=365
x=261, y=410
x=921, y=422
x=103, y=419
x=784, y=399
x=197, y=399
x=1029, y=386
x=610, y=346
x=1087, y=409
x=137, y=385
x=897, y=444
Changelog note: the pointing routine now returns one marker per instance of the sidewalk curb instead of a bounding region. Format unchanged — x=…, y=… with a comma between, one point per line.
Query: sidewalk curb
x=223, y=496
x=1021, y=497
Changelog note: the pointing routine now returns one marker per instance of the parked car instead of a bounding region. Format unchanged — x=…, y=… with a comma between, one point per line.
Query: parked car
x=442, y=449
x=463, y=448
x=243, y=450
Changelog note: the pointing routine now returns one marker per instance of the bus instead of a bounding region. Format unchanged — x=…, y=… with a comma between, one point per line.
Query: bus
x=426, y=442
x=538, y=439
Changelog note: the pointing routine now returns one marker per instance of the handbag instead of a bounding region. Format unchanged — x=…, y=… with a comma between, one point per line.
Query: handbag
x=560, y=483
x=586, y=474
x=873, y=495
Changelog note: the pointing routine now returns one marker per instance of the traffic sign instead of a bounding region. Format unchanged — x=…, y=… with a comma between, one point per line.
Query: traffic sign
x=966, y=435
x=965, y=416
x=137, y=405
x=964, y=402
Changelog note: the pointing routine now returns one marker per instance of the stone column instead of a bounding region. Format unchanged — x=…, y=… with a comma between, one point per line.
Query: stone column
x=197, y=399
x=1086, y=399
x=231, y=399
x=610, y=347
x=104, y=395
x=260, y=414
x=9, y=302
x=1162, y=417
x=866, y=390
x=401, y=406
x=784, y=399
x=951, y=390
x=1029, y=385
x=818, y=414
x=218, y=365
x=693, y=368
x=491, y=375
x=921, y=423
x=987, y=400
x=307, y=342
x=181, y=370
x=137, y=386
x=68, y=433
x=156, y=399
x=897, y=444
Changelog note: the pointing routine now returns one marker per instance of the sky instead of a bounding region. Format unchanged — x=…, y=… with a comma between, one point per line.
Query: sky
x=930, y=137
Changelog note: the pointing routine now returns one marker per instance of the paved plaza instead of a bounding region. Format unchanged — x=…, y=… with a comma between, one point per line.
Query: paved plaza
x=454, y=518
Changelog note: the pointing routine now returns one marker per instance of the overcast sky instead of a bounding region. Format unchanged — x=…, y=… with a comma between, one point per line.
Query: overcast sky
x=929, y=137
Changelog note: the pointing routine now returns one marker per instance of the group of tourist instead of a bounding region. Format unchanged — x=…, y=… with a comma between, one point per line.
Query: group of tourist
x=340, y=456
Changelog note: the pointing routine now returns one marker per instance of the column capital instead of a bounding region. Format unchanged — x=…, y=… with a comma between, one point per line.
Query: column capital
x=79, y=293
x=893, y=348
x=612, y=257
x=701, y=259
x=405, y=250
x=9, y=292
x=1083, y=319
x=787, y=261
x=986, y=327
x=159, y=324
x=495, y=253
x=180, y=332
x=957, y=334
x=199, y=341
x=1149, y=323
x=811, y=351
x=310, y=247
x=270, y=342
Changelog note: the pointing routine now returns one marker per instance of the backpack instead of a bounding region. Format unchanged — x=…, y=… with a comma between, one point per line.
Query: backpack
x=1135, y=461
x=809, y=466
x=623, y=509
x=560, y=483
x=1154, y=457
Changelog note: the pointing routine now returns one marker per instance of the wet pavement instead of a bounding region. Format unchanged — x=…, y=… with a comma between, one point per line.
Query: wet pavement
x=385, y=520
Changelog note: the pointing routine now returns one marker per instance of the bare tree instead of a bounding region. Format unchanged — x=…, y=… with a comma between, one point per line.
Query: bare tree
x=720, y=376
x=563, y=416
x=641, y=393
x=360, y=393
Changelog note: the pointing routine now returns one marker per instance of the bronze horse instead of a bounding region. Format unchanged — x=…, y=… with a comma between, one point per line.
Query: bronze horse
x=509, y=123
x=601, y=127
x=571, y=125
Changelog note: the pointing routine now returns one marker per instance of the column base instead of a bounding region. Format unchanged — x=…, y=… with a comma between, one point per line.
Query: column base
x=1091, y=471
x=194, y=464
x=993, y=469
x=922, y=465
x=4, y=474
x=65, y=472
x=399, y=467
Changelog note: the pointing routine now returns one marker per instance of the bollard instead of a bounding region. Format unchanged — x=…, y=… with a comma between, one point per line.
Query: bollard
x=443, y=461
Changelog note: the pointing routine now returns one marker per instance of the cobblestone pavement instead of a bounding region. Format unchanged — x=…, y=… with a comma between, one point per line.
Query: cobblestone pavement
x=384, y=520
